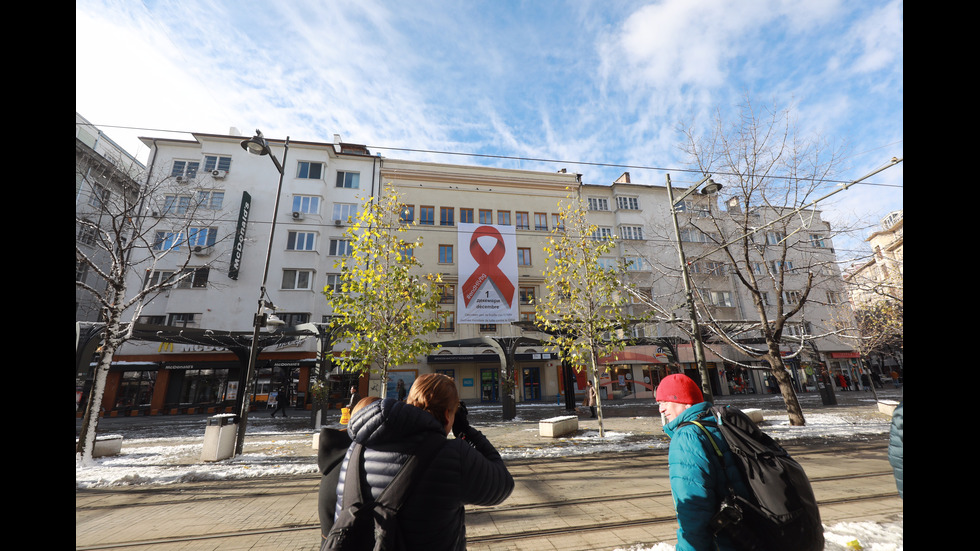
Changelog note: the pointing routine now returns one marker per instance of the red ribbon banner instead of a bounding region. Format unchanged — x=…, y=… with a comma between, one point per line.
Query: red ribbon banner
x=487, y=266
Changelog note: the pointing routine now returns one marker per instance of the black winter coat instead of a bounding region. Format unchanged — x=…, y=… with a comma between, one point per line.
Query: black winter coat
x=332, y=449
x=464, y=471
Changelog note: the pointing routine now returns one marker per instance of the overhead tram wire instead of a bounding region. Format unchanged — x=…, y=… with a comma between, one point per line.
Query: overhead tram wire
x=509, y=157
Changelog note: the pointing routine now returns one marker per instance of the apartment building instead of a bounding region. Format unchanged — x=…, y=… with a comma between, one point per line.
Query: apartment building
x=104, y=172
x=213, y=220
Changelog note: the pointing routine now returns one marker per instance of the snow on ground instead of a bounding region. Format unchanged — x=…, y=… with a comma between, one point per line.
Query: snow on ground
x=175, y=457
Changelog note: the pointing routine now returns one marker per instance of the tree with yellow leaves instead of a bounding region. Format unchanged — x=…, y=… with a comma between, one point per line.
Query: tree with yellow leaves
x=582, y=307
x=385, y=307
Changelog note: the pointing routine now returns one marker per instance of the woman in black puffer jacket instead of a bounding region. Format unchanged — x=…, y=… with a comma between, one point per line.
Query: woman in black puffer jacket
x=466, y=470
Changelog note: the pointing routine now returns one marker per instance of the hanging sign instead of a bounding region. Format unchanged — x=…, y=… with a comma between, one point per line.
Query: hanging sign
x=236, y=250
x=487, y=274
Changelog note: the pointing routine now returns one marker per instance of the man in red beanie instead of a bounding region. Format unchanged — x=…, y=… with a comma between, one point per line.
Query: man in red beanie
x=698, y=482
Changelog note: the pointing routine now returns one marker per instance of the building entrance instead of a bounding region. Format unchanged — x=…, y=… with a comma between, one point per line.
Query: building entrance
x=488, y=385
x=532, y=383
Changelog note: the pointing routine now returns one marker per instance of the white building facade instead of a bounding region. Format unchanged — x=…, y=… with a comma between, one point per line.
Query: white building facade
x=214, y=219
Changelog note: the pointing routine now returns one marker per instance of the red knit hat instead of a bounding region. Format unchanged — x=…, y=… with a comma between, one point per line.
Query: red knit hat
x=679, y=388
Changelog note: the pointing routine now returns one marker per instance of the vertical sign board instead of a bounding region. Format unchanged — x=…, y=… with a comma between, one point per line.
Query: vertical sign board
x=236, y=250
x=487, y=290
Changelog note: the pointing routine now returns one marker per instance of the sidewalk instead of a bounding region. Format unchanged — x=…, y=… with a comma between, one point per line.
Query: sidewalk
x=559, y=491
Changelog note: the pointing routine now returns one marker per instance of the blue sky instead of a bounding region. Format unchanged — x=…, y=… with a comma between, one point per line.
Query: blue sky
x=599, y=85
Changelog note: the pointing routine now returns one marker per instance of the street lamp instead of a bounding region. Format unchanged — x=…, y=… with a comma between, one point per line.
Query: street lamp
x=259, y=146
x=709, y=189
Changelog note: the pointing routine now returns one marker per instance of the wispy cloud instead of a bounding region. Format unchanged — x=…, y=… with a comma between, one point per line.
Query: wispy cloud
x=587, y=81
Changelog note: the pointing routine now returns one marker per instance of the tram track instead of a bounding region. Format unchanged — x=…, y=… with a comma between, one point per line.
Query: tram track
x=551, y=491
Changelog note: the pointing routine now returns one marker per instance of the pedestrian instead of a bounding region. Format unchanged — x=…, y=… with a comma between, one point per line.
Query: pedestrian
x=841, y=382
x=355, y=397
x=590, y=398
x=895, y=378
x=332, y=448
x=698, y=482
x=281, y=400
x=466, y=470
x=895, y=446
x=400, y=387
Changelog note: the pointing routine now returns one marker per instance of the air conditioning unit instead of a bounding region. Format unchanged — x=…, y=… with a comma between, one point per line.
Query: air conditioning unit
x=297, y=215
x=219, y=174
x=202, y=251
x=338, y=223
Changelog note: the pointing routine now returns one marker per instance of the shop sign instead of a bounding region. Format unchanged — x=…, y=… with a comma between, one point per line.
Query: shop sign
x=844, y=355
x=240, y=229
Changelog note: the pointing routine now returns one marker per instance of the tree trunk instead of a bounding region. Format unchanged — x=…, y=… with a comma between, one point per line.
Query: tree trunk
x=598, y=401
x=785, y=382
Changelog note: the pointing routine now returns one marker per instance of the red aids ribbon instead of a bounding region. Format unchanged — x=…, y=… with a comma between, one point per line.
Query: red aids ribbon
x=487, y=266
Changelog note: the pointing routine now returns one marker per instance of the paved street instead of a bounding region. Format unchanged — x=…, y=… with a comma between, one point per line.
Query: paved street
x=595, y=501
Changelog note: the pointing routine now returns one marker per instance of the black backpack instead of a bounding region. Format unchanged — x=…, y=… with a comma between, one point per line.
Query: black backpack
x=781, y=512
x=365, y=523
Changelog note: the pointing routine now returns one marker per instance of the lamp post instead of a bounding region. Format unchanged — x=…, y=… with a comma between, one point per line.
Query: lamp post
x=711, y=188
x=259, y=146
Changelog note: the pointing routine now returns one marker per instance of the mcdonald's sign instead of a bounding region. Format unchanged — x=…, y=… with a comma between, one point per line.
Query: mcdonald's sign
x=166, y=347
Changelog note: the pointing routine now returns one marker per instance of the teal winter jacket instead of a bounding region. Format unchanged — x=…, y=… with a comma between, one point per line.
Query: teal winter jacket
x=698, y=480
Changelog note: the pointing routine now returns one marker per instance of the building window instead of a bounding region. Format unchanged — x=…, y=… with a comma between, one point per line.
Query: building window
x=792, y=297
x=523, y=221
x=488, y=327
x=446, y=215
x=345, y=212
x=81, y=270
x=503, y=217
x=294, y=318
x=349, y=180
x=448, y=295
x=167, y=241
x=834, y=297
x=714, y=268
x=523, y=256
x=427, y=216
x=445, y=254
x=775, y=237
x=309, y=171
x=465, y=216
x=526, y=295
x=817, y=240
x=300, y=241
x=202, y=237
x=334, y=283
x=176, y=204
x=183, y=320
x=602, y=233
x=307, y=204
x=216, y=162
x=157, y=277
x=634, y=263
x=340, y=247
x=486, y=216
x=210, y=199
x=85, y=234
x=627, y=203
x=721, y=299
x=407, y=214
x=557, y=222
x=631, y=232
x=185, y=169
x=598, y=203
x=541, y=221
x=152, y=320
x=194, y=278
x=297, y=279
x=447, y=322
x=778, y=266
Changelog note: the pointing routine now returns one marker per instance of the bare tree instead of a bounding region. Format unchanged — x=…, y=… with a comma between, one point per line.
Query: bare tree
x=128, y=231
x=775, y=251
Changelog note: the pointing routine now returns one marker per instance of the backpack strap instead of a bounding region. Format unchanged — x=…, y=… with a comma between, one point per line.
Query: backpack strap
x=710, y=438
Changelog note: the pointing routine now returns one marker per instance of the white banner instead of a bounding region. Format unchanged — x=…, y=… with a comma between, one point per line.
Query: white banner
x=487, y=274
